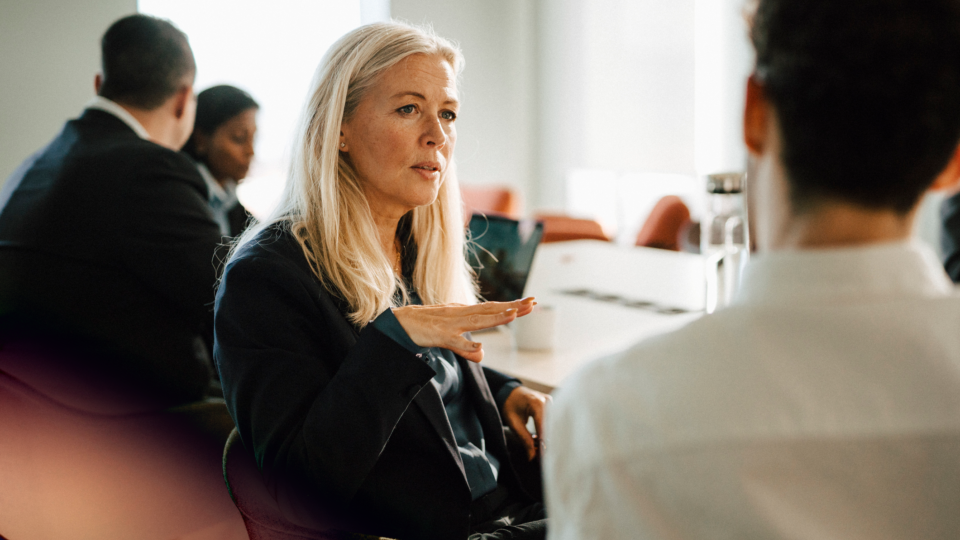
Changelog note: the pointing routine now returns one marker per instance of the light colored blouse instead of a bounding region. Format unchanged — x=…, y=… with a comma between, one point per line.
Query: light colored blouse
x=222, y=199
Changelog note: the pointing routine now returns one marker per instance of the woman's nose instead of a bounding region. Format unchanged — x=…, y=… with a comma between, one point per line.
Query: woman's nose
x=434, y=134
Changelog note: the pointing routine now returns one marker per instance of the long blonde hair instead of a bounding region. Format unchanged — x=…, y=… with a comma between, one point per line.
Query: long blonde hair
x=324, y=205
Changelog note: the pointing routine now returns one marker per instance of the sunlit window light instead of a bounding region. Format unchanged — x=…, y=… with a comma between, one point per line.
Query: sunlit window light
x=271, y=50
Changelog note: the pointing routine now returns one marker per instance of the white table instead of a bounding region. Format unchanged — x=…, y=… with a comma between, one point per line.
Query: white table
x=589, y=328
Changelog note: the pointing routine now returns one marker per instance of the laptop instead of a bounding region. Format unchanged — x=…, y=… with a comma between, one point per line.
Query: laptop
x=502, y=253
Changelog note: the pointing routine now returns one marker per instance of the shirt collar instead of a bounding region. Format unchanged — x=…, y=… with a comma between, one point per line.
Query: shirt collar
x=225, y=194
x=103, y=104
x=837, y=275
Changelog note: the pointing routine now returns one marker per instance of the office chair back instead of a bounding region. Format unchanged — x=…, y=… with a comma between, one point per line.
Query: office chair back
x=559, y=228
x=497, y=201
x=663, y=227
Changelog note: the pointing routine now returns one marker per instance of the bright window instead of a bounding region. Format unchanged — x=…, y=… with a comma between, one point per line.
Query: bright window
x=271, y=50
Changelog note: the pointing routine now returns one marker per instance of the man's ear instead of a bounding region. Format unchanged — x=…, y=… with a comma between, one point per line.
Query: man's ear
x=181, y=100
x=949, y=177
x=97, y=83
x=755, y=113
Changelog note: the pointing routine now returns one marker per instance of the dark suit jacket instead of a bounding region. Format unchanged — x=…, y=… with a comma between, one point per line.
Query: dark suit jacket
x=238, y=217
x=106, y=243
x=348, y=413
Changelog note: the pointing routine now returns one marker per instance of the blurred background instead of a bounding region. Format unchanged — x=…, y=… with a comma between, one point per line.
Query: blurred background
x=591, y=108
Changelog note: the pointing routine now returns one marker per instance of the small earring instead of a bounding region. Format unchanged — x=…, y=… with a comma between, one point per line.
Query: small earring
x=342, y=145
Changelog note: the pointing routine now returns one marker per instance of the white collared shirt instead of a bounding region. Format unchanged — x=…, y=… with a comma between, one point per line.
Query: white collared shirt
x=103, y=104
x=825, y=403
x=222, y=199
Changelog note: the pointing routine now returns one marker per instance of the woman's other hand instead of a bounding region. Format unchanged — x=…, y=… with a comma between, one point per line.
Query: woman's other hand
x=444, y=325
x=520, y=405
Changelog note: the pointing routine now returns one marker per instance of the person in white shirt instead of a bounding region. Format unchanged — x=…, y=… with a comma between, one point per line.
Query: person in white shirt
x=825, y=402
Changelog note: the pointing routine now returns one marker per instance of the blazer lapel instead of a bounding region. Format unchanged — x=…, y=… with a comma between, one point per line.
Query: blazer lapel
x=486, y=407
x=430, y=403
x=428, y=399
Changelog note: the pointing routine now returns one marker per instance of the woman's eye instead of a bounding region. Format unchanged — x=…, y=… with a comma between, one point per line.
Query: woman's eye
x=409, y=109
x=448, y=115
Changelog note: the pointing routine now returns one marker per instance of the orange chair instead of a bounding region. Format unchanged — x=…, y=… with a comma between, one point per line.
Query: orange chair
x=500, y=201
x=669, y=217
x=558, y=228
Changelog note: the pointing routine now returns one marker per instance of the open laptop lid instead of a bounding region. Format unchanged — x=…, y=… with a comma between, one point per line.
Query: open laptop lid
x=502, y=254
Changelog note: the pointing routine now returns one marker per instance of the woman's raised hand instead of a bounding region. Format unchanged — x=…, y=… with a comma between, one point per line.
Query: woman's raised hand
x=444, y=325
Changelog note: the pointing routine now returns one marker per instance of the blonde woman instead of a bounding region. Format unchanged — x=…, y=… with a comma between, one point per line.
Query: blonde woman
x=340, y=320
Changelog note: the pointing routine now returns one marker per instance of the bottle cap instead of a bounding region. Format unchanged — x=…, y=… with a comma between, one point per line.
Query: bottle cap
x=732, y=182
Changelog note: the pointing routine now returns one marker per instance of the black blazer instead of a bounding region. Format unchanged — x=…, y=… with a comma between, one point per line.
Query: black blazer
x=237, y=218
x=348, y=415
x=105, y=244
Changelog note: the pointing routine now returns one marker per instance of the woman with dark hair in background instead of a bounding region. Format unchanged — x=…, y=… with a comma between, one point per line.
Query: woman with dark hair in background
x=222, y=146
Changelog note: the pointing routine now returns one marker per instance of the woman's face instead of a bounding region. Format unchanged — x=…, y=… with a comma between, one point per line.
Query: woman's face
x=229, y=150
x=401, y=137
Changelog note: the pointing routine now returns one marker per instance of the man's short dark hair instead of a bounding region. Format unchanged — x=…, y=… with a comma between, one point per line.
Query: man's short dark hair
x=145, y=60
x=866, y=92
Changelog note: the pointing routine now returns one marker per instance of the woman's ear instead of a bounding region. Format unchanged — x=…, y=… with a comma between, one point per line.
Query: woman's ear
x=755, y=116
x=949, y=177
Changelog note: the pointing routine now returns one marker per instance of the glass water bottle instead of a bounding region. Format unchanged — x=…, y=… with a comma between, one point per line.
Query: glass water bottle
x=724, y=238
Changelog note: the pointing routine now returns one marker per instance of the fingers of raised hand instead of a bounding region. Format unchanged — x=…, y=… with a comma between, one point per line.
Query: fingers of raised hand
x=524, y=306
x=443, y=325
x=478, y=321
x=471, y=350
x=496, y=307
x=490, y=314
x=475, y=355
x=525, y=309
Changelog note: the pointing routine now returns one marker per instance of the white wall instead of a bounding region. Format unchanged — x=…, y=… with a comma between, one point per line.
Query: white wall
x=560, y=39
x=638, y=85
x=724, y=59
x=49, y=54
x=496, y=138
x=616, y=81
x=550, y=86
x=271, y=50
x=553, y=86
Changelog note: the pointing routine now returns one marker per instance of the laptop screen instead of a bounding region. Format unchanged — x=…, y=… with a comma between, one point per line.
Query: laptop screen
x=502, y=254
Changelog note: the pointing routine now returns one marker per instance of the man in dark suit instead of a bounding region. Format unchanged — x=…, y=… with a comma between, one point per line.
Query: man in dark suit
x=105, y=234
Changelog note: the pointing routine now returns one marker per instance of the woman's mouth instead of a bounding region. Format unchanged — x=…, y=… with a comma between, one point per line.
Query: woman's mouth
x=428, y=170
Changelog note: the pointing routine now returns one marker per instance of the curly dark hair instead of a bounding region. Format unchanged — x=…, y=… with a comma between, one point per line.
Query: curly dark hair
x=866, y=92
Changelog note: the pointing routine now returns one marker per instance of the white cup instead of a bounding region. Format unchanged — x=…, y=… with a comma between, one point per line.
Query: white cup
x=537, y=331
